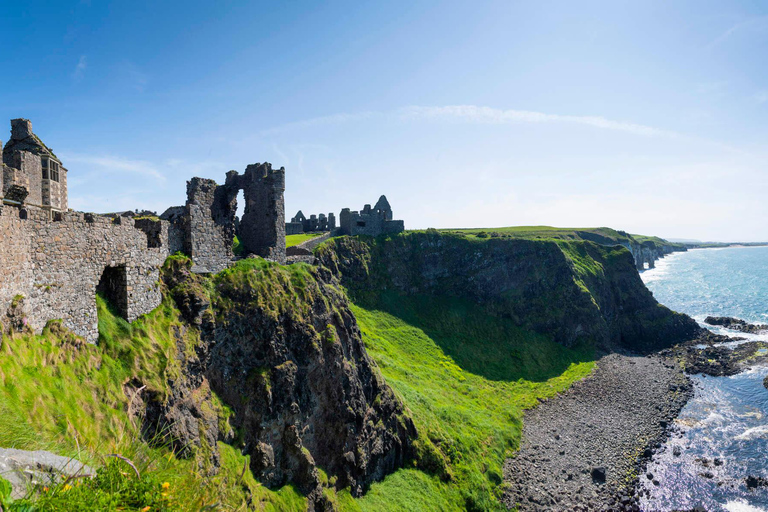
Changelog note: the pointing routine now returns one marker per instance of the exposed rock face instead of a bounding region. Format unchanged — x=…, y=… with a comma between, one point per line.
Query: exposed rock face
x=281, y=347
x=584, y=291
x=736, y=324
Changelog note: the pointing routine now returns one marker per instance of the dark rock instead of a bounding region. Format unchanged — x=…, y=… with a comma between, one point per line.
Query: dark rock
x=598, y=474
x=518, y=279
x=735, y=324
x=753, y=482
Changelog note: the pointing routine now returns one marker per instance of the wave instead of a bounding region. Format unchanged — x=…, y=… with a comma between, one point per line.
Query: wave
x=753, y=433
x=742, y=506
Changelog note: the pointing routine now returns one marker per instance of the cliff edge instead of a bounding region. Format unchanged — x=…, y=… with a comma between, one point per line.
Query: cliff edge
x=573, y=291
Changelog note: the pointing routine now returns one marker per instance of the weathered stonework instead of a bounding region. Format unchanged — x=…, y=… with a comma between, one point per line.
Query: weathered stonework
x=262, y=228
x=370, y=221
x=57, y=266
x=57, y=260
x=205, y=227
x=31, y=165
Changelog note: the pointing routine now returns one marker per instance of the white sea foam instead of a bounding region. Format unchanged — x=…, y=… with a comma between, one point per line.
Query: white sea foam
x=753, y=433
x=742, y=506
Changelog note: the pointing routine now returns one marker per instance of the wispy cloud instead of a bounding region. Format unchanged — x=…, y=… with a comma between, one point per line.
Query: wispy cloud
x=474, y=114
x=82, y=64
x=761, y=97
x=113, y=164
x=324, y=120
x=488, y=115
x=757, y=22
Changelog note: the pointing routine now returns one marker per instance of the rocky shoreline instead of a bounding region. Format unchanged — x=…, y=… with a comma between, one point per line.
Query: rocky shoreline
x=587, y=448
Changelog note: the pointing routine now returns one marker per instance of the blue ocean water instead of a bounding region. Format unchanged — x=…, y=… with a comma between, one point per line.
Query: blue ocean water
x=724, y=427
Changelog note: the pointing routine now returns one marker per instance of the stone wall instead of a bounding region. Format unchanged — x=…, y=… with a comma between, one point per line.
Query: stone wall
x=57, y=266
x=262, y=228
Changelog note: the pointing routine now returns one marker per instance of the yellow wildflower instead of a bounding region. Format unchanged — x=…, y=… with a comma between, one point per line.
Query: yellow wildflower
x=145, y=509
x=166, y=485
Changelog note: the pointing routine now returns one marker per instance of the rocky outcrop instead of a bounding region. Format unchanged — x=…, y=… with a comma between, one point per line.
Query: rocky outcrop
x=25, y=470
x=569, y=290
x=280, y=347
x=736, y=324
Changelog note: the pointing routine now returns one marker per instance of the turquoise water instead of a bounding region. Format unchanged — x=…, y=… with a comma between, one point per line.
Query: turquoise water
x=723, y=434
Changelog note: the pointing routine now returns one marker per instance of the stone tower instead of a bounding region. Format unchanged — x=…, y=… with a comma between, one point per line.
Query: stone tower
x=262, y=228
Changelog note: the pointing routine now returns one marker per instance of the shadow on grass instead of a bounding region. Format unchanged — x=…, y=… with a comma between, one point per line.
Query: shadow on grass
x=485, y=345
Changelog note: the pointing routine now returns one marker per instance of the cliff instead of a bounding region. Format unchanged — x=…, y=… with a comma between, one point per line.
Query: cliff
x=571, y=291
x=645, y=250
x=281, y=348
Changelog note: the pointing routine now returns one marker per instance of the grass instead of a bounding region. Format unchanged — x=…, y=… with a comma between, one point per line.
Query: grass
x=603, y=235
x=291, y=240
x=465, y=377
x=67, y=397
x=469, y=420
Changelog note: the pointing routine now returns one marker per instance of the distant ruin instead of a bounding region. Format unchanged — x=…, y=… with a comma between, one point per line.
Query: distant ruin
x=315, y=223
x=370, y=221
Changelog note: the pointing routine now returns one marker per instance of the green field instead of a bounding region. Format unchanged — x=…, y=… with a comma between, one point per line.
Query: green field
x=601, y=235
x=291, y=240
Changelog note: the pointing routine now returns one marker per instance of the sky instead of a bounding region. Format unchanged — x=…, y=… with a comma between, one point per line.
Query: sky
x=650, y=117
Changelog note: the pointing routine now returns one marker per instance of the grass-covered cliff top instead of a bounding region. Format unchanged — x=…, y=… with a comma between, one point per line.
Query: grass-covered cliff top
x=605, y=236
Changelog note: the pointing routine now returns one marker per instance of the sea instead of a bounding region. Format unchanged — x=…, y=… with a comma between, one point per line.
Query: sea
x=723, y=430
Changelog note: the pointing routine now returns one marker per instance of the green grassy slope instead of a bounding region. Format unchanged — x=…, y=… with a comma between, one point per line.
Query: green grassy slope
x=466, y=377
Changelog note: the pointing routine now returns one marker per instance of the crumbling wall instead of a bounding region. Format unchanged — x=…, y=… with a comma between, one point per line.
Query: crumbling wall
x=262, y=228
x=210, y=224
x=57, y=265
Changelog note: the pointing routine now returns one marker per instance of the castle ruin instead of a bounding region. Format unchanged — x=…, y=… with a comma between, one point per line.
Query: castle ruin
x=53, y=260
x=370, y=221
x=315, y=223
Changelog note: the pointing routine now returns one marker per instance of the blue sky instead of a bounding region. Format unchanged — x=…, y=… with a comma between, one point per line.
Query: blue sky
x=643, y=116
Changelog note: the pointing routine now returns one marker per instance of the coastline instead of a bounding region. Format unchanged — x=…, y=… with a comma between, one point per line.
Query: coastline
x=587, y=448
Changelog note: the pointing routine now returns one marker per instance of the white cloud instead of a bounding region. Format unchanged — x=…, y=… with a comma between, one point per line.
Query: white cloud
x=488, y=115
x=474, y=114
x=115, y=164
x=82, y=64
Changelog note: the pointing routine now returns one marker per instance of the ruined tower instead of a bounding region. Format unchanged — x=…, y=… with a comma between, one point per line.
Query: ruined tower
x=32, y=173
x=262, y=228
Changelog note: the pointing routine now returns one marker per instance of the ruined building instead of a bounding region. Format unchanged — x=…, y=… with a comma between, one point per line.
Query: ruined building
x=204, y=228
x=301, y=224
x=370, y=221
x=32, y=174
x=53, y=261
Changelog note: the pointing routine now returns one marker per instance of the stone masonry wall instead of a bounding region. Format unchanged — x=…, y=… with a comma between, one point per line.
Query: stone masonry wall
x=262, y=229
x=57, y=265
